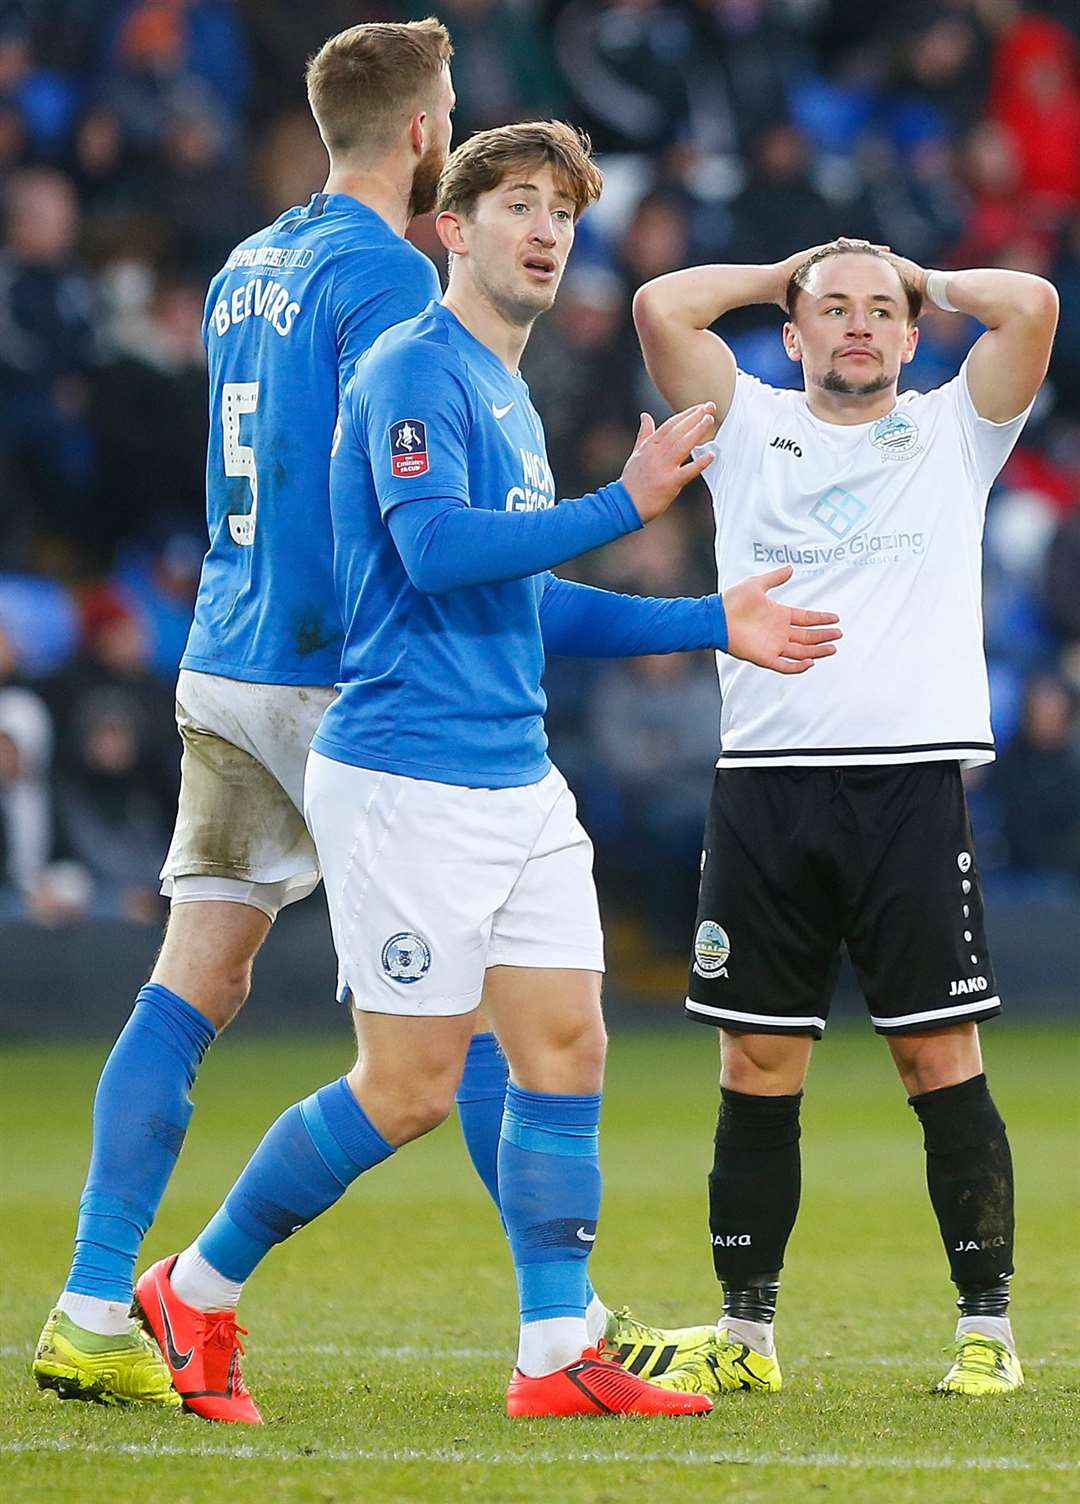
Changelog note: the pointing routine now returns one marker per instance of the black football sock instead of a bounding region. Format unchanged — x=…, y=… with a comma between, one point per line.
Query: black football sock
x=753, y=1198
x=969, y=1174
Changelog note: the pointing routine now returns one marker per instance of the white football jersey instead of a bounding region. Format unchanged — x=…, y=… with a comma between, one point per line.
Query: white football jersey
x=883, y=523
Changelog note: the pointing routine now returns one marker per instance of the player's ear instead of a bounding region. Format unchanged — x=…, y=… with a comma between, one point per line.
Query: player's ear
x=792, y=343
x=911, y=345
x=448, y=229
x=416, y=132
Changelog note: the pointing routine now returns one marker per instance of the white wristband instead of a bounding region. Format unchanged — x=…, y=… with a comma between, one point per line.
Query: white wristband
x=936, y=282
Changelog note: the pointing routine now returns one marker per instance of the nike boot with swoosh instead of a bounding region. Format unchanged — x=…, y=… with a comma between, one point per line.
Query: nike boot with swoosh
x=201, y=1348
x=593, y=1385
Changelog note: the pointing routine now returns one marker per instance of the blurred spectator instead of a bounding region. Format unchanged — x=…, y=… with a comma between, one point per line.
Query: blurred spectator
x=25, y=801
x=1037, y=783
x=113, y=669
x=1036, y=97
x=46, y=342
x=113, y=816
x=780, y=211
x=149, y=413
x=626, y=65
x=653, y=728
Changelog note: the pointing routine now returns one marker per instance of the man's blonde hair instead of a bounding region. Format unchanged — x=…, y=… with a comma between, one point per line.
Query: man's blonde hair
x=488, y=159
x=364, y=83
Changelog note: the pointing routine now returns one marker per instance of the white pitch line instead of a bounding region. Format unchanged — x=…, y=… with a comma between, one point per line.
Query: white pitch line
x=491, y=1354
x=529, y=1458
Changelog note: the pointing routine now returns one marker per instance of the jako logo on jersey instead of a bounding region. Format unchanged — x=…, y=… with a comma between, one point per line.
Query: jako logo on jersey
x=789, y=444
x=408, y=447
x=963, y=861
x=969, y=1245
x=711, y=949
x=406, y=957
x=967, y=984
x=896, y=437
x=731, y=1240
x=263, y=300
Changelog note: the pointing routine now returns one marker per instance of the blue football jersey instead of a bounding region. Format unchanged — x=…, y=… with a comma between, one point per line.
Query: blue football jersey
x=438, y=686
x=286, y=319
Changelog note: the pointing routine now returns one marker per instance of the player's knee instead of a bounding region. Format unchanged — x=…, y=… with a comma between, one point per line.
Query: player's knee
x=938, y=1058
x=763, y=1065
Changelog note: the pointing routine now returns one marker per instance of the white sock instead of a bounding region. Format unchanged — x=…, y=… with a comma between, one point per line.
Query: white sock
x=998, y=1327
x=756, y=1334
x=199, y=1284
x=596, y=1319
x=106, y=1318
x=545, y=1346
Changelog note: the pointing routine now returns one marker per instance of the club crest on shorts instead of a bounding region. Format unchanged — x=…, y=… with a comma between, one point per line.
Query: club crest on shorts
x=408, y=447
x=406, y=957
x=711, y=949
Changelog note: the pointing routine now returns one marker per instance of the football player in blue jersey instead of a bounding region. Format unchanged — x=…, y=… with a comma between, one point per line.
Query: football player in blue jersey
x=454, y=861
x=286, y=318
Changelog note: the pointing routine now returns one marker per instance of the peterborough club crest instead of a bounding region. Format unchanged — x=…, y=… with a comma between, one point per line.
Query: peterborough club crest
x=406, y=957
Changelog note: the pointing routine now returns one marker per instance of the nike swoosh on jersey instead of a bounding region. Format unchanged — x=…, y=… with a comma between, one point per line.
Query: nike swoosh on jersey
x=501, y=412
x=176, y=1358
x=586, y=1237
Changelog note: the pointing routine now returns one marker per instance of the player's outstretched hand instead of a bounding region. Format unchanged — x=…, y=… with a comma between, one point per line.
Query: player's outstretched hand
x=772, y=635
x=660, y=465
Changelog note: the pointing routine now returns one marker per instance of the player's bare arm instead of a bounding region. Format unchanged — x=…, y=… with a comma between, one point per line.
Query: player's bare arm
x=674, y=315
x=1007, y=363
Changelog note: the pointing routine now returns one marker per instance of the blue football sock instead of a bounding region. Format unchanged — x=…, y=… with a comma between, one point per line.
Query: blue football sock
x=549, y=1181
x=480, y=1099
x=306, y=1163
x=141, y=1113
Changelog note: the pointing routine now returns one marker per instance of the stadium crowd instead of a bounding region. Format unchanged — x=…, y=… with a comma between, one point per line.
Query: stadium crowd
x=140, y=139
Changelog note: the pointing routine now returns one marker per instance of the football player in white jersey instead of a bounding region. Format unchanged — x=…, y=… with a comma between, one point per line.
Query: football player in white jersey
x=838, y=811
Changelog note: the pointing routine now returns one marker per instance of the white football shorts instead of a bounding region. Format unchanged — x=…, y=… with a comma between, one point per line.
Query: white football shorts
x=240, y=835
x=428, y=884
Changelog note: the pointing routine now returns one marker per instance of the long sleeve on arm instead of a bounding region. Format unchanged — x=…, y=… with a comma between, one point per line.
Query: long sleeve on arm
x=446, y=544
x=579, y=621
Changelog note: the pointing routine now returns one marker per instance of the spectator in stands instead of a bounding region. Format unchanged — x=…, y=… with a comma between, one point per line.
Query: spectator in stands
x=653, y=728
x=1036, y=97
x=26, y=832
x=46, y=343
x=114, y=670
x=1037, y=783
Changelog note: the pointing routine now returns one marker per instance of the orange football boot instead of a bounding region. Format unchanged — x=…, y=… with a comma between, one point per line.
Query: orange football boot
x=592, y=1385
x=202, y=1349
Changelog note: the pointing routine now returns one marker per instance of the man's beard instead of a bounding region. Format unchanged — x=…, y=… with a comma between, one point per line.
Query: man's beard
x=832, y=381
x=425, y=181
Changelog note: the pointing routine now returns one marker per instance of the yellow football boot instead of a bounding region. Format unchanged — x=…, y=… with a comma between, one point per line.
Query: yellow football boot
x=650, y=1351
x=80, y=1365
x=983, y=1366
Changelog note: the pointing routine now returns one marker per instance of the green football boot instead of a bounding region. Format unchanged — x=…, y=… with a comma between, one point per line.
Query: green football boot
x=80, y=1365
x=983, y=1366
x=650, y=1351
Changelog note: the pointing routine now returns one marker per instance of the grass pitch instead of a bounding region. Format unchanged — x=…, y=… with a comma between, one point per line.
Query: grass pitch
x=382, y=1337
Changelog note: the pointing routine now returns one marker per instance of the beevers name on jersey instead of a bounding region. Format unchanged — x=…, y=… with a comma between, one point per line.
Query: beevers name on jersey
x=256, y=298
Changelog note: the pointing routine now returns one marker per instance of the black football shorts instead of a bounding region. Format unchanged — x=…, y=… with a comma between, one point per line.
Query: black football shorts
x=799, y=861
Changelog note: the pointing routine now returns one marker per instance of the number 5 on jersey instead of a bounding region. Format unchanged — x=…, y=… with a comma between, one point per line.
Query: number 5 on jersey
x=237, y=398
